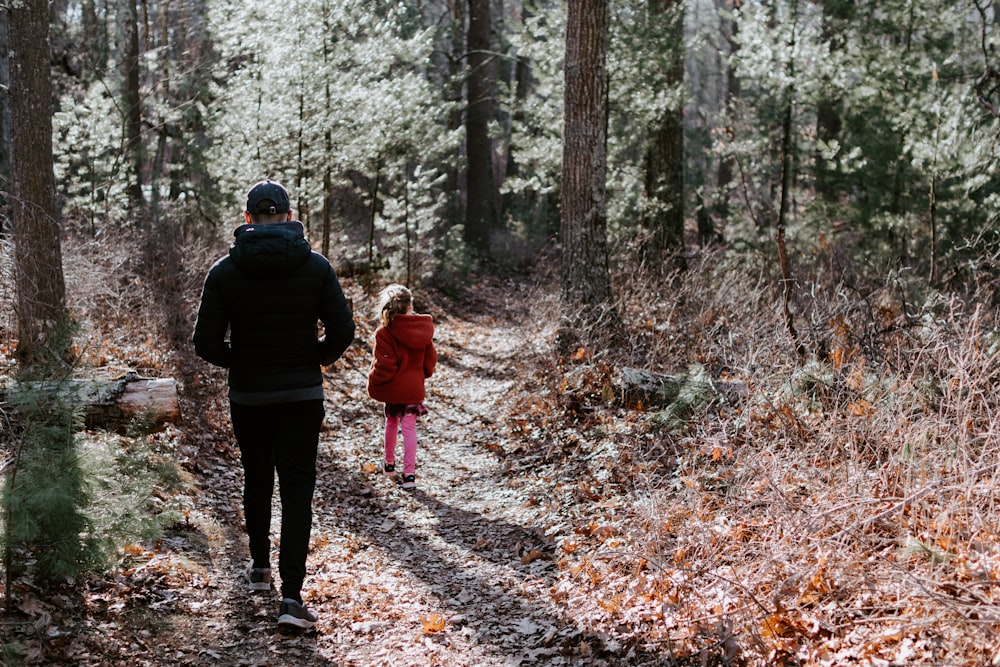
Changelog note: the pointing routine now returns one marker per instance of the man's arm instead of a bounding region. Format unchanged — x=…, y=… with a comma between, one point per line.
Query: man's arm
x=338, y=321
x=210, y=330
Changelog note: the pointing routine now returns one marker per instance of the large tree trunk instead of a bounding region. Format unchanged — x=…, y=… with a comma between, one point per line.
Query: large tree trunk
x=131, y=107
x=42, y=320
x=588, y=311
x=729, y=28
x=664, y=159
x=481, y=212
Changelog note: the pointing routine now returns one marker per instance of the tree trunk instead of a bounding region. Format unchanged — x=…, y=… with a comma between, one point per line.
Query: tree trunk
x=97, y=42
x=787, y=178
x=42, y=319
x=453, y=182
x=481, y=214
x=828, y=120
x=664, y=159
x=160, y=163
x=725, y=178
x=326, y=213
x=327, y=140
x=4, y=122
x=302, y=208
x=587, y=306
x=408, y=249
x=131, y=107
x=372, y=213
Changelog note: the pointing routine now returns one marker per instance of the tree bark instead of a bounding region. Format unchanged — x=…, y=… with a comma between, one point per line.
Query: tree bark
x=587, y=306
x=97, y=42
x=454, y=183
x=787, y=180
x=664, y=159
x=327, y=140
x=481, y=212
x=131, y=107
x=4, y=123
x=372, y=212
x=111, y=401
x=725, y=178
x=42, y=319
x=828, y=120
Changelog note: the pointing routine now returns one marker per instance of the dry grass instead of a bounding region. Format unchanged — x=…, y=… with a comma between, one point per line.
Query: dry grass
x=124, y=315
x=844, y=510
x=840, y=510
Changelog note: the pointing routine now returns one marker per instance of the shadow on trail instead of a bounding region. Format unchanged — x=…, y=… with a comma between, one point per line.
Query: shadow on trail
x=498, y=611
x=251, y=636
x=505, y=542
x=228, y=624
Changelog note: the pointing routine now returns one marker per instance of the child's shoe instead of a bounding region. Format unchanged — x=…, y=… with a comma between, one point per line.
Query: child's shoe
x=388, y=468
x=409, y=482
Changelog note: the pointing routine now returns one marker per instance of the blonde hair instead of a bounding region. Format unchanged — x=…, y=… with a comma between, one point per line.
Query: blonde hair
x=393, y=300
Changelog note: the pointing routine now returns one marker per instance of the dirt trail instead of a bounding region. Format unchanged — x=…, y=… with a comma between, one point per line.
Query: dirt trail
x=395, y=566
x=462, y=571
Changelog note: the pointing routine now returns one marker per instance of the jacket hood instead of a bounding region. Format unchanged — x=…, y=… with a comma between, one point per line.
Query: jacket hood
x=413, y=331
x=273, y=249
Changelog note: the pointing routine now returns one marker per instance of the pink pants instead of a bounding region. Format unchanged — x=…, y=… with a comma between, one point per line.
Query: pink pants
x=409, y=426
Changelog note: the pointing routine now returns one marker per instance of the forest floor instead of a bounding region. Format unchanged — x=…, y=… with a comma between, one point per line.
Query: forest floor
x=765, y=517
x=493, y=560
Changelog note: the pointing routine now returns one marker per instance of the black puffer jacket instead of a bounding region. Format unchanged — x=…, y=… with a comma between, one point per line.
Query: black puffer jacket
x=269, y=293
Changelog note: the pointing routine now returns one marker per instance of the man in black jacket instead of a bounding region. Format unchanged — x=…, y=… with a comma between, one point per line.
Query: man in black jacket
x=269, y=293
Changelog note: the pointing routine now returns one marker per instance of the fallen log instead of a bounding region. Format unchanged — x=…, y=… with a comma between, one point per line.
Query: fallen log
x=109, y=401
x=648, y=390
x=644, y=389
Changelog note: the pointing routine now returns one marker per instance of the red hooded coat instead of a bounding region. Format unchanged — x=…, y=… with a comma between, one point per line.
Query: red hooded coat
x=404, y=356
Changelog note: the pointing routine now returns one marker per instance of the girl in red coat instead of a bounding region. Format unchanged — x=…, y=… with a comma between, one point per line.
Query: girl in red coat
x=404, y=357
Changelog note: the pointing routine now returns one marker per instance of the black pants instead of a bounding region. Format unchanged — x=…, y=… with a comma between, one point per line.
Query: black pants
x=282, y=437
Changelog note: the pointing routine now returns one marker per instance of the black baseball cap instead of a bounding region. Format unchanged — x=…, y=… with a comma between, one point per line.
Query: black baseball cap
x=267, y=197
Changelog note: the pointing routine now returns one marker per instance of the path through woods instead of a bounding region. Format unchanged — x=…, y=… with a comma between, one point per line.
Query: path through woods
x=488, y=562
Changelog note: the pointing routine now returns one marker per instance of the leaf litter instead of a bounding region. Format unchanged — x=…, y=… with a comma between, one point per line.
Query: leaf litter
x=549, y=526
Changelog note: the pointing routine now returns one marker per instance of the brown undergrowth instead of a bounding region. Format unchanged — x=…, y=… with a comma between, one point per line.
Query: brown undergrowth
x=841, y=509
x=834, y=509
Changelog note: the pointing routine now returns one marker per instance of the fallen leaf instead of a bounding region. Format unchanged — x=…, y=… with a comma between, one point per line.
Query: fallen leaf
x=31, y=606
x=531, y=556
x=605, y=531
x=431, y=623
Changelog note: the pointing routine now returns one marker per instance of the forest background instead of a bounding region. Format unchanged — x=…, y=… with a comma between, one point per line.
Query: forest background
x=789, y=207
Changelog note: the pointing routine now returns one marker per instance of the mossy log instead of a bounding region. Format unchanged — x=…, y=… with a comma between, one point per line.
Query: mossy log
x=647, y=390
x=644, y=389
